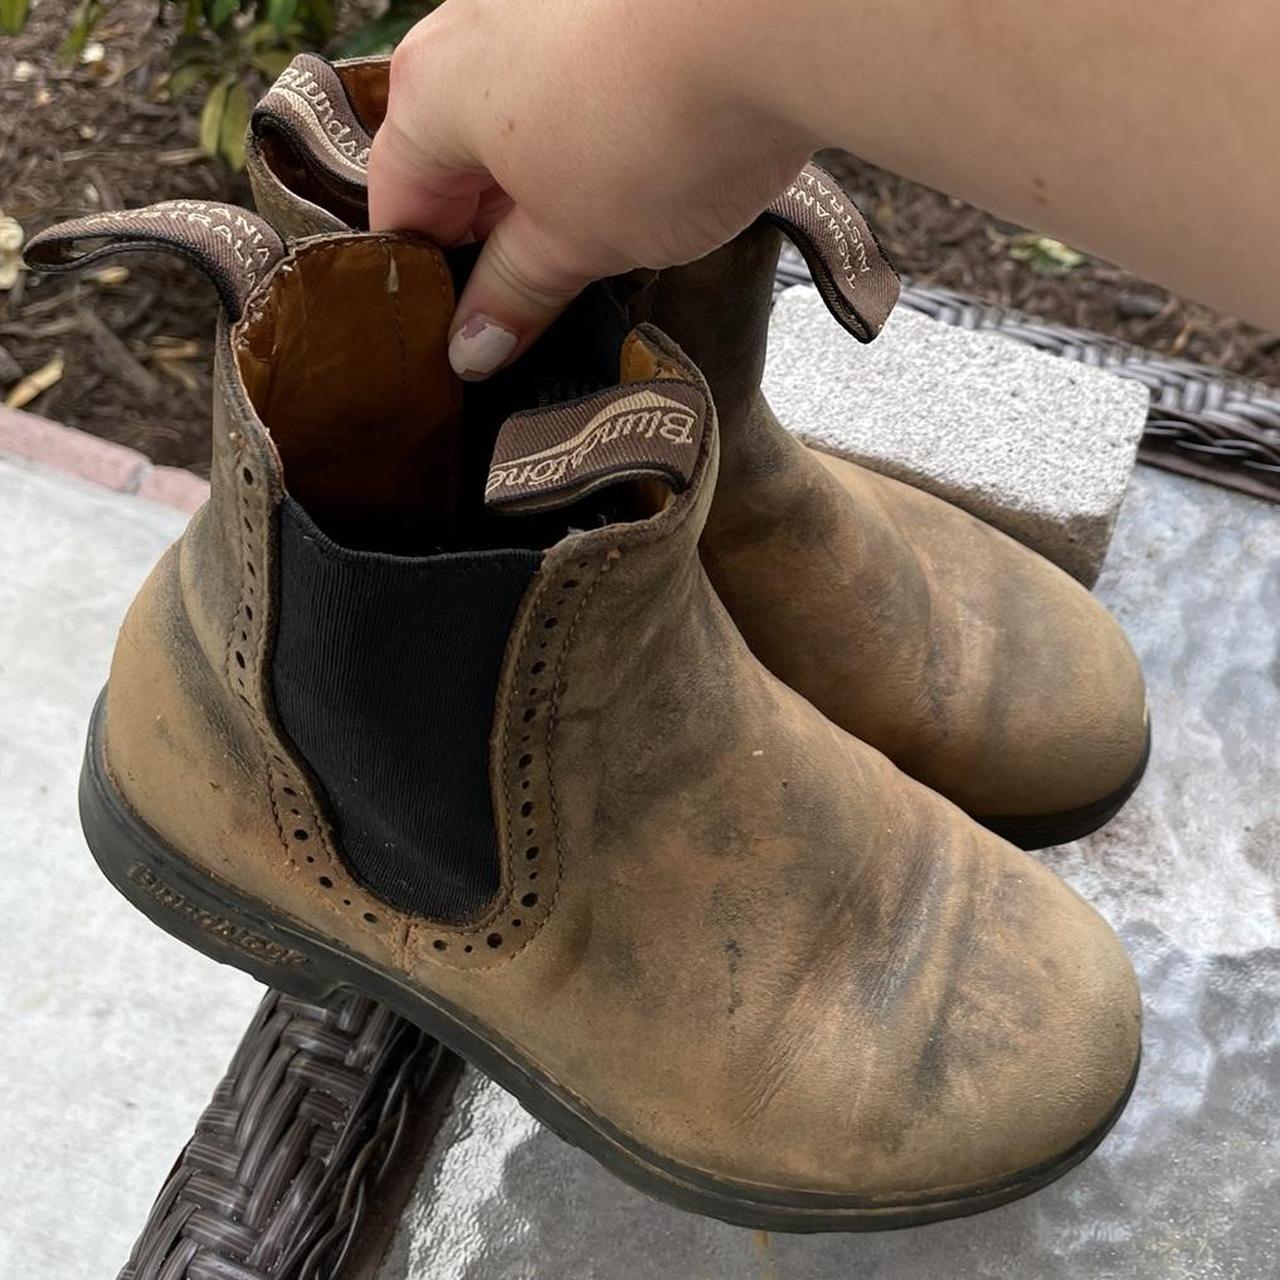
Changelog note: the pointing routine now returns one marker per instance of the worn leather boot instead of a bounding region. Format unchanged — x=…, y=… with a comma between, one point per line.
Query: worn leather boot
x=434, y=699
x=973, y=663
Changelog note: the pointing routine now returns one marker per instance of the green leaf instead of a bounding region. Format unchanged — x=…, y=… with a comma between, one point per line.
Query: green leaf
x=190, y=49
x=280, y=13
x=86, y=18
x=218, y=11
x=271, y=62
x=318, y=20
x=382, y=34
x=1045, y=255
x=211, y=117
x=13, y=15
x=187, y=76
x=235, y=123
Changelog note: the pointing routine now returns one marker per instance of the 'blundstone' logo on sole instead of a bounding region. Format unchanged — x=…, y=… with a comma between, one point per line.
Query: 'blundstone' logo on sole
x=220, y=927
x=625, y=432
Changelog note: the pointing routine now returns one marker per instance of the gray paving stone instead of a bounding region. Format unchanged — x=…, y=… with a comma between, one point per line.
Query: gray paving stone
x=1186, y=1185
x=1035, y=445
x=114, y=1034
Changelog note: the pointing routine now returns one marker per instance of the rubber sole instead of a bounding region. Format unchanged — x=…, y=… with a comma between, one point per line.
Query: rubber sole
x=1044, y=831
x=223, y=924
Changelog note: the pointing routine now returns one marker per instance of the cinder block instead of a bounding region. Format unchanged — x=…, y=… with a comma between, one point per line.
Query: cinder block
x=1037, y=446
x=174, y=488
x=114, y=466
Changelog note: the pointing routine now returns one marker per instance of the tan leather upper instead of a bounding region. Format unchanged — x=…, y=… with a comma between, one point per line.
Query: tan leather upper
x=980, y=668
x=745, y=940
x=976, y=665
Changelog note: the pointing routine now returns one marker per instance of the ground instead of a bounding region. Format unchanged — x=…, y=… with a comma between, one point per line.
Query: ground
x=135, y=345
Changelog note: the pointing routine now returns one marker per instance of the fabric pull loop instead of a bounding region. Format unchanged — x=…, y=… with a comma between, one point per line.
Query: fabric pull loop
x=233, y=247
x=855, y=279
x=549, y=458
x=308, y=106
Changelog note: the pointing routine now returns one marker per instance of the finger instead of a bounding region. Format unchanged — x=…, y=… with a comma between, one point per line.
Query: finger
x=521, y=282
x=410, y=191
x=494, y=205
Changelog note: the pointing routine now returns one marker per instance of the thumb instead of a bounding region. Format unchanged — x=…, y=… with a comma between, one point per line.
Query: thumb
x=521, y=282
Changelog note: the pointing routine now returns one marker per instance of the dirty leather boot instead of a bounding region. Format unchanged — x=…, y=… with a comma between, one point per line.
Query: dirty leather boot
x=973, y=663
x=433, y=698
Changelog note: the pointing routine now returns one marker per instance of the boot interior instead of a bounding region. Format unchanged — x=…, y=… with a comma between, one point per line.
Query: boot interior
x=313, y=182
x=345, y=361
x=366, y=84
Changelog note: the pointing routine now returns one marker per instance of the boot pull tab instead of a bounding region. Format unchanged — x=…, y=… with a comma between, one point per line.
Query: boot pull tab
x=233, y=247
x=548, y=458
x=855, y=279
x=309, y=108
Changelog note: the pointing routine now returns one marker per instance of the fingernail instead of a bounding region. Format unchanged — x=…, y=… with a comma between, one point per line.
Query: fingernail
x=480, y=347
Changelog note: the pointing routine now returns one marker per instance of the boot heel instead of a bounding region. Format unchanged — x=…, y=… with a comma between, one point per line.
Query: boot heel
x=181, y=899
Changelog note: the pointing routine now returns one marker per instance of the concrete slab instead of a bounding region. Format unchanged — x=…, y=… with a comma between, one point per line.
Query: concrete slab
x=114, y=1035
x=1186, y=1186
x=1037, y=446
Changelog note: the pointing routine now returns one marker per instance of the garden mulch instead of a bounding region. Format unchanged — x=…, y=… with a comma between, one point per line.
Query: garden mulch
x=136, y=345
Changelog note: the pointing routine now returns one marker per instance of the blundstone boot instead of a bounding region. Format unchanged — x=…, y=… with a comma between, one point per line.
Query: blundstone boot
x=434, y=699
x=973, y=663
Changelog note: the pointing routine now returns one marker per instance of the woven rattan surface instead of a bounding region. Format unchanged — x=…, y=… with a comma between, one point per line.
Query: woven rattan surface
x=1202, y=422
x=300, y=1165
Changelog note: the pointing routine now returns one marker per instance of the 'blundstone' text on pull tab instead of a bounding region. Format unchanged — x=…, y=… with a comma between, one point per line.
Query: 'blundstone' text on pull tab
x=233, y=247
x=309, y=109
x=856, y=280
x=549, y=458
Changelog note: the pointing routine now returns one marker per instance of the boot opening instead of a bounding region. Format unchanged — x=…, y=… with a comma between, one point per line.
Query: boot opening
x=297, y=171
x=344, y=359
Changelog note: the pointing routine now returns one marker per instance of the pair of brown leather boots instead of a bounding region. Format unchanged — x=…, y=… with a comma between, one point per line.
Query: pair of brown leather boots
x=652, y=761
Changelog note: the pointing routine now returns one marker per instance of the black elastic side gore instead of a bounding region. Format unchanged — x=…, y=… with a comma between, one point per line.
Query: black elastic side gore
x=385, y=674
x=578, y=355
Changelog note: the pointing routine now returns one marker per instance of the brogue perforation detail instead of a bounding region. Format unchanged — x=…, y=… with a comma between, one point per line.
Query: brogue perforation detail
x=526, y=802
x=303, y=836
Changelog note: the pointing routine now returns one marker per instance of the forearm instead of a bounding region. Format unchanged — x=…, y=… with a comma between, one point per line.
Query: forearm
x=581, y=138
x=1144, y=132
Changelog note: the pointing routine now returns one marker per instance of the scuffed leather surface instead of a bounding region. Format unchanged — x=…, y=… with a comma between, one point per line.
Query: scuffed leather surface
x=292, y=215
x=191, y=761
x=1186, y=1186
x=192, y=742
x=977, y=666
x=771, y=954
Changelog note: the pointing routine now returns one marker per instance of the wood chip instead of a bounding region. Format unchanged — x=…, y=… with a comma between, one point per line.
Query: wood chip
x=163, y=348
x=115, y=353
x=109, y=277
x=10, y=369
x=186, y=155
x=181, y=373
x=34, y=384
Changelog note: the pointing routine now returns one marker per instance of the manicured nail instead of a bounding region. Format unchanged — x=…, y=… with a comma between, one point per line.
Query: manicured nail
x=480, y=347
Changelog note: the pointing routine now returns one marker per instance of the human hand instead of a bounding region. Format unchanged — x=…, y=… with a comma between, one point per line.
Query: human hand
x=578, y=139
